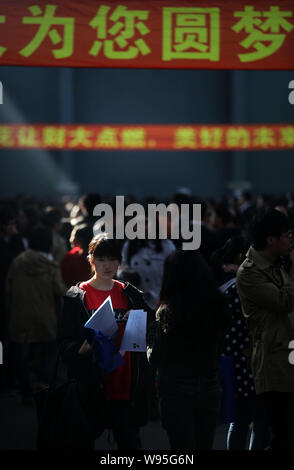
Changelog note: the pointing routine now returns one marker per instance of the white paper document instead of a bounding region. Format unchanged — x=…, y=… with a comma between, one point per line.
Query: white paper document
x=103, y=319
x=134, y=338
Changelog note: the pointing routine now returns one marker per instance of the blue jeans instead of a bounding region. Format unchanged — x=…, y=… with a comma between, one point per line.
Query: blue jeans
x=249, y=409
x=190, y=409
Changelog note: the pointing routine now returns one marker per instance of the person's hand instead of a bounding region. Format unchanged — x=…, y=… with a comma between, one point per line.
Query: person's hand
x=164, y=327
x=86, y=348
x=126, y=315
x=230, y=268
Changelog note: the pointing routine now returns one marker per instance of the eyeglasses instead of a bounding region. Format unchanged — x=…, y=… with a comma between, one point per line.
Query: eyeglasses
x=288, y=234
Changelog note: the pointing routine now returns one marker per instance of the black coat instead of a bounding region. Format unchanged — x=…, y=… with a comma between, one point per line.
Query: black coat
x=83, y=368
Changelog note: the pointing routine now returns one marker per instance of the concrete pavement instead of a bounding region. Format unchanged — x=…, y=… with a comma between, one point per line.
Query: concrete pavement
x=18, y=429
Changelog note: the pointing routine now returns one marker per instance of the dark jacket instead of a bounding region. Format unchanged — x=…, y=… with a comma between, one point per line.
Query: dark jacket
x=34, y=289
x=267, y=301
x=186, y=352
x=83, y=368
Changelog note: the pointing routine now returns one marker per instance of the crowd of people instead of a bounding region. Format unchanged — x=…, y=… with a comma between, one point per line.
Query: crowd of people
x=233, y=298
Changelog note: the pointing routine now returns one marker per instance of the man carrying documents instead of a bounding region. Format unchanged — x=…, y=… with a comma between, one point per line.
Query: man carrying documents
x=103, y=340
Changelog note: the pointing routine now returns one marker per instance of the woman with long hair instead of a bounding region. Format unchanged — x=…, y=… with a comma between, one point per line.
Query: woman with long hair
x=185, y=343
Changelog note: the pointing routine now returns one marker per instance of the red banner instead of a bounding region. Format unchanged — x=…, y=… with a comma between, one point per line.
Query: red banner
x=180, y=34
x=153, y=137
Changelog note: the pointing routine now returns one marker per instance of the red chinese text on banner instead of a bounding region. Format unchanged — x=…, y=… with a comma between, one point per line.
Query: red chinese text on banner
x=150, y=137
x=153, y=34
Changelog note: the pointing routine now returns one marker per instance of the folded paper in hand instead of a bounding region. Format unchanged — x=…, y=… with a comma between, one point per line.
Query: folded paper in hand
x=103, y=319
x=134, y=338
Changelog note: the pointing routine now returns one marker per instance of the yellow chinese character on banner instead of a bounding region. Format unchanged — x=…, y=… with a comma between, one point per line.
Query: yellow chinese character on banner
x=191, y=33
x=264, y=35
x=238, y=137
x=287, y=136
x=133, y=137
x=107, y=138
x=54, y=136
x=26, y=136
x=264, y=137
x=6, y=139
x=185, y=137
x=114, y=37
x=45, y=22
x=210, y=137
x=80, y=137
x=2, y=49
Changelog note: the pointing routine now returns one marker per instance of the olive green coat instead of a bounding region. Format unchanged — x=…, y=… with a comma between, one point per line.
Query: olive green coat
x=267, y=301
x=34, y=289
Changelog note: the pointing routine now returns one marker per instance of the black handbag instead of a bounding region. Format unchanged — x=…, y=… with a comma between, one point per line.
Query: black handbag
x=69, y=415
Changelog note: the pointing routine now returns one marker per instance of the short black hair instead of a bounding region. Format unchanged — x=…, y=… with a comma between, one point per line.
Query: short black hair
x=227, y=254
x=6, y=215
x=246, y=194
x=89, y=201
x=51, y=216
x=270, y=222
x=83, y=233
x=41, y=239
x=102, y=245
x=222, y=211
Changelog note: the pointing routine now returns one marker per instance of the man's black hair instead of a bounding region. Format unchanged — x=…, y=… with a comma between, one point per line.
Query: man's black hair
x=222, y=211
x=90, y=200
x=41, y=239
x=7, y=214
x=270, y=222
x=84, y=234
x=51, y=217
